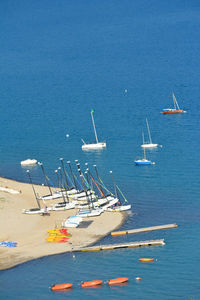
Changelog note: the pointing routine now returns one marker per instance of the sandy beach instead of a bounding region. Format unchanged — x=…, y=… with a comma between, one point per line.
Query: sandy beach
x=30, y=231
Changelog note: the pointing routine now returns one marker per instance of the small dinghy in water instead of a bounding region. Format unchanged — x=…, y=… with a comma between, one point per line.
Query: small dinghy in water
x=61, y=287
x=29, y=162
x=93, y=283
x=119, y=280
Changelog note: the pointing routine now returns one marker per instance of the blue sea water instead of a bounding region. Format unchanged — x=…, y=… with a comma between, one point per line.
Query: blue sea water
x=59, y=60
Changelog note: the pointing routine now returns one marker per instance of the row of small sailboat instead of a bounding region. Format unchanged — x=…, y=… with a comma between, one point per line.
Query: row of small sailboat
x=89, y=195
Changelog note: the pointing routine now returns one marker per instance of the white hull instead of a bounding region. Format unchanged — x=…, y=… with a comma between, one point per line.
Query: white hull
x=64, y=206
x=149, y=145
x=82, y=196
x=96, y=203
x=95, y=146
x=90, y=213
x=34, y=211
x=28, y=162
x=74, y=194
x=119, y=208
x=72, y=221
x=112, y=202
x=57, y=195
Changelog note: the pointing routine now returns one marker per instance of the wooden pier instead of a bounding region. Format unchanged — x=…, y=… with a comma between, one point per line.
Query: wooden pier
x=122, y=245
x=145, y=229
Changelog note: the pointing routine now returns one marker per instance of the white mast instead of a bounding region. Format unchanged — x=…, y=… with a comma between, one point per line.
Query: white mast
x=150, y=140
x=143, y=143
x=175, y=102
x=94, y=126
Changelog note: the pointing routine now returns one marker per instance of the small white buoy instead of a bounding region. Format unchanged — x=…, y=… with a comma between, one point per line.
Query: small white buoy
x=138, y=278
x=125, y=90
x=67, y=135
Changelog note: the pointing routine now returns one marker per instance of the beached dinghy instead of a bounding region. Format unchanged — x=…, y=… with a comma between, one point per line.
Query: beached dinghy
x=33, y=211
x=90, y=213
x=72, y=221
x=64, y=205
x=119, y=208
x=95, y=146
x=175, y=110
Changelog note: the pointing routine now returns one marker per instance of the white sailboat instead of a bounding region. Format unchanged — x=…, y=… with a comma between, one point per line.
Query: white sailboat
x=94, y=146
x=143, y=161
x=149, y=144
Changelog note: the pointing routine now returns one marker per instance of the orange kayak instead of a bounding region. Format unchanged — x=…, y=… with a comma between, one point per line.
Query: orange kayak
x=117, y=280
x=173, y=111
x=61, y=287
x=92, y=283
x=146, y=259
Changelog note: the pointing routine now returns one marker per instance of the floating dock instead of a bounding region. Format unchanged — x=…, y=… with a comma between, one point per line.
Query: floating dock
x=145, y=229
x=122, y=245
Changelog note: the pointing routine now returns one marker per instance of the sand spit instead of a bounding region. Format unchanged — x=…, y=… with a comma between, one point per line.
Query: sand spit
x=30, y=231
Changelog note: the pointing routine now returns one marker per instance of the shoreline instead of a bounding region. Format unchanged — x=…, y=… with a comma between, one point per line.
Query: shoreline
x=30, y=231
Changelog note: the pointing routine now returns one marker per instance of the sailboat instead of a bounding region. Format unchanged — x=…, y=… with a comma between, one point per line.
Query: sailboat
x=150, y=144
x=175, y=110
x=94, y=146
x=143, y=161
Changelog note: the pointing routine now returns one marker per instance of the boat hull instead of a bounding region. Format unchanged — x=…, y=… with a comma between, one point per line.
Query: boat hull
x=142, y=162
x=94, y=146
x=149, y=145
x=173, y=111
x=93, y=283
x=28, y=162
x=120, y=208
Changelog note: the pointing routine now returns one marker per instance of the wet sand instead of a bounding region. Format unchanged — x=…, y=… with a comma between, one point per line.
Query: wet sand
x=30, y=231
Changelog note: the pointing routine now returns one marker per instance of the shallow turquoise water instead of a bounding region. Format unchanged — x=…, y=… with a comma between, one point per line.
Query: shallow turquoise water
x=61, y=59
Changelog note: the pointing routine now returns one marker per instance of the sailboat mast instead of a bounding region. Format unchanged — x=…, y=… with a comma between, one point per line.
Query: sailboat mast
x=150, y=140
x=45, y=176
x=144, y=147
x=175, y=102
x=56, y=171
x=73, y=177
x=38, y=203
x=92, y=111
x=174, y=99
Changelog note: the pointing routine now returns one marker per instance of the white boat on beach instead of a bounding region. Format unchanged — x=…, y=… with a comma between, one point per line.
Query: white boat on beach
x=119, y=208
x=99, y=202
x=90, y=213
x=72, y=221
x=64, y=206
x=94, y=146
x=28, y=162
x=33, y=211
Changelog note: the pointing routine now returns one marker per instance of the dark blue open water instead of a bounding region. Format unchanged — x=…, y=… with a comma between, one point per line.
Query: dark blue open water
x=58, y=60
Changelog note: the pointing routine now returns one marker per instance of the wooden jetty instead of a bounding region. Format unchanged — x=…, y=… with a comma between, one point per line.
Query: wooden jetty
x=122, y=245
x=145, y=229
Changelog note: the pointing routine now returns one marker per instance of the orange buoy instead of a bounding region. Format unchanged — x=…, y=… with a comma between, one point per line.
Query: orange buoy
x=93, y=283
x=146, y=259
x=61, y=287
x=117, y=280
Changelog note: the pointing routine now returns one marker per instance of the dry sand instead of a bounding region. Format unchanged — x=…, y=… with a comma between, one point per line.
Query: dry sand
x=30, y=231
